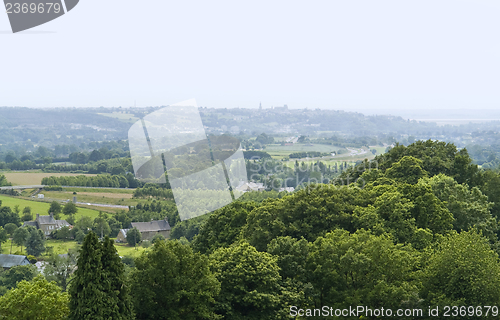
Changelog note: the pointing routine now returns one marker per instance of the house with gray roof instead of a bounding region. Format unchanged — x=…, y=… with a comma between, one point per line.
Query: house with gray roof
x=8, y=261
x=147, y=229
x=47, y=224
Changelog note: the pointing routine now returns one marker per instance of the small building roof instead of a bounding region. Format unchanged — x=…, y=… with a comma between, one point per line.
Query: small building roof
x=12, y=260
x=30, y=223
x=46, y=220
x=62, y=223
x=155, y=225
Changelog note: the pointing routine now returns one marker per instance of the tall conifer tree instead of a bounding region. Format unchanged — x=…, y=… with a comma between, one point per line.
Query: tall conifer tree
x=87, y=294
x=98, y=290
x=119, y=304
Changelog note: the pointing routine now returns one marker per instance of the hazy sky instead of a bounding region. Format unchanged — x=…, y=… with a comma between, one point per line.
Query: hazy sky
x=367, y=56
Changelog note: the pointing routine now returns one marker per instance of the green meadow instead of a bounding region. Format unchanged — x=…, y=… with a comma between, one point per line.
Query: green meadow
x=42, y=207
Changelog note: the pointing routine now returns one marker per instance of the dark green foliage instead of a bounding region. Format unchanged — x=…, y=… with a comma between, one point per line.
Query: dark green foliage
x=8, y=216
x=11, y=277
x=62, y=234
x=3, y=182
x=223, y=227
x=133, y=236
x=251, y=155
x=172, y=282
x=70, y=208
x=117, y=180
x=55, y=208
x=87, y=288
x=308, y=213
x=35, y=242
x=27, y=216
x=20, y=236
x=3, y=236
x=101, y=226
x=97, y=290
x=10, y=228
x=116, y=287
x=79, y=236
x=436, y=157
x=250, y=283
x=157, y=237
x=462, y=271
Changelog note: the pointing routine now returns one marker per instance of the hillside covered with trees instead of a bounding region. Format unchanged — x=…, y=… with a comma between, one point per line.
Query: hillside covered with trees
x=419, y=230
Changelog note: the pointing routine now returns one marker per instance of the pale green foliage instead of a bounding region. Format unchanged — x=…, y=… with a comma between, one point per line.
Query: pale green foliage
x=34, y=300
x=462, y=271
x=470, y=207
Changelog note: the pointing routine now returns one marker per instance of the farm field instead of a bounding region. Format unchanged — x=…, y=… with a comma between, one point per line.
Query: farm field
x=123, y=199
x=33, y=178
x=43, y=207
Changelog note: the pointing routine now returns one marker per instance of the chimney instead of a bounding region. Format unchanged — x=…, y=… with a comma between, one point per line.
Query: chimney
x=52, y=214
x=37, y=216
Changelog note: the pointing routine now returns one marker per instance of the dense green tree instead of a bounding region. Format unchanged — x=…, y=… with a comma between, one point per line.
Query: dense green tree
x=79, y=236
x=307, y=213
x=116, y=288
x=133, y=236
x=70, y=208
x=391, y=213
x=428, y=211
x=11, y=277
x=436, y=156
x=223, y=227
x=361, y=269
x=62, y=234
x=3, y=181
x=8, y=216
x=3, y=237
x=157, y=237
x=10, y=228
x=37, y=300
x=87, y=290
x=27, y=216
x=462, y=271
x=35, y=242
x=250, y=283
x=491, y=188
x=19, y=237
x=84, y=223
x=101, y=226
x=55, y=208
x=173, y=282
x=470, y=207
x=408, y=169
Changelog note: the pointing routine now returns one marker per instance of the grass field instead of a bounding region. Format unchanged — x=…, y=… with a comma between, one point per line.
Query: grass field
x=34, y=178
x=42, y=207
x=62, y=247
